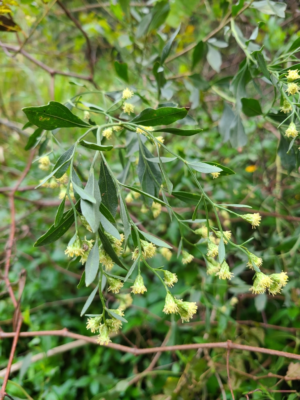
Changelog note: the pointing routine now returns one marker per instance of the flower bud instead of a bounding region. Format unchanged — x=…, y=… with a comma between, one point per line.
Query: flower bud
x=291, y=132
x=224, y=272
x=127, y=94
x=292, y=88
x=292, y=75
x=212, y=249
x=107, y=133
x=156, y=209
x=170, y=305
x=186, y=257
x=261, y=283
x=253, y=219
x=44, y=163
x=128, y=108
x=186, y=309
x=114, y=284
x=254, y=260
x=170, y=278
x=138, y=286
x=166, y=253
x=103, y=338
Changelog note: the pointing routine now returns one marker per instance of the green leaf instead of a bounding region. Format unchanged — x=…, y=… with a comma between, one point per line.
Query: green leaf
x=143, y=26
x=83, y=194
x=180, y=132
x=251, y=107
x=89, y=301
x=149, y=174
x=221, y=253
x=159, y=14
x=262, y=64
x=62, y=164
x=161, y=116
x=82, y=280
x=214, y=58
x=238, y=136
x=162, y=159
x=60, y=212
x=154, y=240
x=108, y=189
x=32, y=140
x=109, y=227
x=204, y=168
x=55, y=232
x=122, y=70
x=92, y=264
x=237, y=7
x=95, y=146
x=124, y=217
x=166, y=50
x=270, y=7
x=132, y=268
x=91, y=210
x=225, y=170
x=107, y=214
x=158, y=72
x=227, y=119
x=198, y=53
x=109, y=249
x=156, y=199
x=260, y=302
x=294, y=46
x=187, y=197
x=52, y=116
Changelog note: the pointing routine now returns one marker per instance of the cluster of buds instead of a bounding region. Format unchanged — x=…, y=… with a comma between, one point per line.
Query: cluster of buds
x=114, y=284
x=185, y=309
x=203, y=231
x=224, y=272
x=291, y=131
x=169, y=278
x=142, y=129
x=166, y=253
x=104, y=258
x=131, y=196
x=148, y=250
x=187, y=257
x=226, y=235
x=156, y=209
x=254, y=260
x=292, y=88
x=274, y=283
x=44, y=163
x=212, y=249
x=253, y=219
x=213, y=267
x=138, y=286
x=125, y=301
x=109, y=326
x=79, y=248
x=286, y=107
x=215, y=175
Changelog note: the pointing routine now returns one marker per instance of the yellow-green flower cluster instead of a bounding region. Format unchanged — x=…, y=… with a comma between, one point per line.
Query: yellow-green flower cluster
x=213, y=267
x=291, y=132
x=226, y=235
x=254, y=260
x=110, y=325
x=142, y=129
x=138, y=286
x=292, y=75
x=185, y=309
x=169, y=278
x=224, y=272
x=292, y=88
x=128, y=108
x=278, y=282
x=44, y=163
x=127, y=94
x=212, y=249
x=261, y=283
x=186, y=257
x=87, y=246
x=253, y=219
x=125, y=301
x=203, y=231
x=286, y=107
x=156, y=209
x=166, y=253
x=148, y=250
x=114, y=284
x=107, y=133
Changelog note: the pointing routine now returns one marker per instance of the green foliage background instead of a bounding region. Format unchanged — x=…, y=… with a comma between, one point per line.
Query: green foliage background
x=126, y=46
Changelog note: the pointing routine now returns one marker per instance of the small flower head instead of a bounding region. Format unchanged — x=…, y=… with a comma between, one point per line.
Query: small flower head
x=278, y=282
x=261, y=283
x=85, y=223
x=292, y=88
x=87, y=246
x=105, y=259
x=187, y=257
x=138, y=286
x=103, y=338
x=156, y=209
x=63, y=180
x=142, y=129
x=117, y=128
x=125, y=301
x=94, y=324
x=170, y=305
x=212, y=249
x=215, y=175
x=86, y=115
x=160, y=139
x=291, y=132
x=226, y=235
x=75, y=249
x=135, y=253
x=213, y=267
x=224, y=272
x=128, y=108
x=44, y=163
x=53, y=184
x=114, y=324
x=286, y=107
x=233, y=301
x=114, y=284
x=186, y=309
x=170, y=278
x=127, y=94
x=107, y=133
x=129, y=198
x=253, y=219
x=136, y=195
x=292, y=75
x=149, y=249
x=144, y=209
x=166, y=253
x=203, y=231
x=254, y=260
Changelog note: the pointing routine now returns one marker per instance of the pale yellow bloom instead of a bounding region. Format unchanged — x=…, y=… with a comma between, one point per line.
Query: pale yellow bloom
x=147, y=128
x=226, y=236
x=136, y=195
x=212, y=266
x=166, y=253
x=292, y=75
x=53, y=184
x=86, y=115
x=224, y=272
x=128, y=108
x=44, y=163
x=138, y=286
x=278, y=282
x=105, y=259
x=292, y=88
x=186, y=257
x=160, y=139
x=94, y=324
x=108, y=133
x=215, y=175
x=233, y=301
x=127, y=94
x=170, y=305
x=103, y=338
x=114, y=284
x=170, y=278
x=125, y=301
x=144, y=209
x=156, y=209
x=63, y=180
x=253, y=219
x=286, y=107
x=253, y=259
x=212, y=249
x=117, y=128
x=261, y=283
x=75, y=249
x=203, y=231
x=291, y=132
x=186, y=309
x=129, y=198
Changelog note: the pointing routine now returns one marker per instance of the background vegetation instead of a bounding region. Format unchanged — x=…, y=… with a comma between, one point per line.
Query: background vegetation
x=53, y=50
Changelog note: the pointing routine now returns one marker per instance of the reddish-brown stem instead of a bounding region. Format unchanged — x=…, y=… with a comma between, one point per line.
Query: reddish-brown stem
x=136, y=351
x=11, y=357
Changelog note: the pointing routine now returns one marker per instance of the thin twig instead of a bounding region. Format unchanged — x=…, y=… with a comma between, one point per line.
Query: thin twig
x=228, y=371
